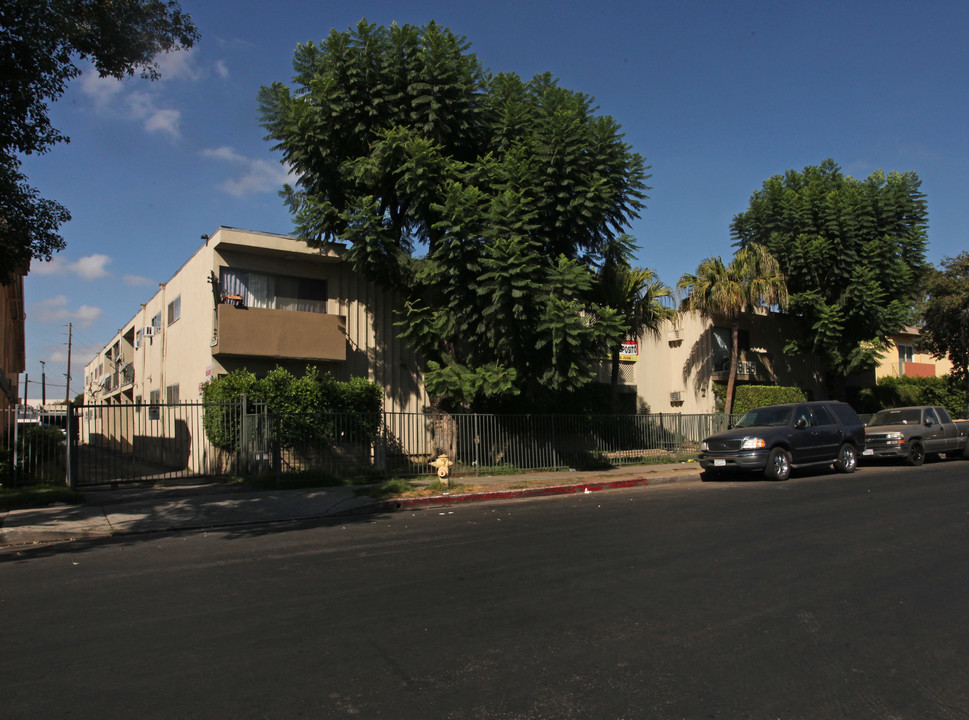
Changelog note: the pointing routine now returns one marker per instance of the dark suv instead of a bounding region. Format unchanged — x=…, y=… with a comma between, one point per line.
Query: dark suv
x=776, y=438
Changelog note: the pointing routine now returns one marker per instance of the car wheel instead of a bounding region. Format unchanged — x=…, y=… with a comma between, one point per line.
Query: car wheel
x=916, y=454
x=847, y=459
x=778, y=465
x=710, y=475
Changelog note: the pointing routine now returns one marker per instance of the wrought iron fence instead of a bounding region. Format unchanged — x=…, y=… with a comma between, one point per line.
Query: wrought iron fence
x=33, y=447
x=114, y=444
x=405, y=443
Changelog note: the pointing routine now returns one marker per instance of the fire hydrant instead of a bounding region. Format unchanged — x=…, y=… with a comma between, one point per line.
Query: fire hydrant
x=443, y=466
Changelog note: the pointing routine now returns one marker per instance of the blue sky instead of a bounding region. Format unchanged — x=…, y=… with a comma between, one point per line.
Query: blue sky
x=718, y=96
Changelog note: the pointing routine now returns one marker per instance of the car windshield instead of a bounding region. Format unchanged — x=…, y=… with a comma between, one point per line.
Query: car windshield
x=775, y=417
x=903, y=416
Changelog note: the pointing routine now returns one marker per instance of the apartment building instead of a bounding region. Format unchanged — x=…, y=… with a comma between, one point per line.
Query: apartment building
x=255, y=300
x=903, y=358
x=675, y=370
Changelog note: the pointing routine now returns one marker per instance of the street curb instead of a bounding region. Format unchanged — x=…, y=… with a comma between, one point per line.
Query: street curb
x=519, y=493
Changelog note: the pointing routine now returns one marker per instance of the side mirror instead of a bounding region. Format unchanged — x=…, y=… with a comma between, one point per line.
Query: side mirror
x=929, y=423
x=800, y=424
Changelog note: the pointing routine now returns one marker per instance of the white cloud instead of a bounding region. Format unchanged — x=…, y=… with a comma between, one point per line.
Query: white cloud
x=255, y=175
x=112, y=96
x=222, y=69
x=57, y=310
x=100, y=89
x=137, y=281
x=177, y=65
x=141, y=106
x=90, y=267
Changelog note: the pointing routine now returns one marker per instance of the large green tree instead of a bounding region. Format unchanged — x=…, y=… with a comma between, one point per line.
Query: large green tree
x=853, y=254
x=945, y=316
x=486, y=201
x=41, y=43
x=753, y=279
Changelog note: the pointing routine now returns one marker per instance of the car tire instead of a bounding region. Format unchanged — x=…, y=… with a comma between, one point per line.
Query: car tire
x=847, y=460
x=916, y=453
x=778, y=465
x=711, y=475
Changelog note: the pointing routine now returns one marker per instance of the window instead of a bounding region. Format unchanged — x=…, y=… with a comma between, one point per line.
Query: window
x=822, y=416
x=139, y=337
x=154, y=397
x=721, y=347
x=906, y=353
x=279, y=292
x=171, y=394
x=156, y=321
x=174, y=309
x=931, y=417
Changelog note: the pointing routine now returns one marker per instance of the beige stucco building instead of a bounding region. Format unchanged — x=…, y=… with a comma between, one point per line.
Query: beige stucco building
x=255, y=300
x=904, y=359
x=675, y=370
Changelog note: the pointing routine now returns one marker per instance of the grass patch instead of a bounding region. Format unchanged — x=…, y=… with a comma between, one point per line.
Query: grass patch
x=408, y=488
x=35, y=496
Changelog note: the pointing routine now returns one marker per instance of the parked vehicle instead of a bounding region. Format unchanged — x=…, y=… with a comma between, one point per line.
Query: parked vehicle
x=912, y=433
x=777, y=438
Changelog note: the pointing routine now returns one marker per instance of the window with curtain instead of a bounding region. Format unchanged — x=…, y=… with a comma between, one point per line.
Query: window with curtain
x=278, y=292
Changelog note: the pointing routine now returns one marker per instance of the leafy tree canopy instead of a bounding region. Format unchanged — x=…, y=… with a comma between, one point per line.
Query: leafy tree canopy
x=41, y=43
x=485, y=200
x=852, y=252
x=945, y=316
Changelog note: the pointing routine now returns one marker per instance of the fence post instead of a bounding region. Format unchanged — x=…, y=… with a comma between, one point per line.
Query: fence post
x=71, y=470
x=274, y=444
x=16, y=443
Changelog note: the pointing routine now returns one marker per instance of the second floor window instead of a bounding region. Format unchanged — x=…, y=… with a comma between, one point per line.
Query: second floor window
x=174, y=309
x=278, y=292
x=906, y=353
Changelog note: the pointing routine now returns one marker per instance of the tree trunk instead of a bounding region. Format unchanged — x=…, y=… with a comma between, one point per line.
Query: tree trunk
x=734, y=359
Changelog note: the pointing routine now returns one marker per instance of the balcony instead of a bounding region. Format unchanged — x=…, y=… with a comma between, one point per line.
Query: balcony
x=281, y=334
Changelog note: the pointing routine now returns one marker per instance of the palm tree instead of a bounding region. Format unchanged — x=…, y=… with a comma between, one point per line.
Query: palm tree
x=752, y=279
x=638, y=296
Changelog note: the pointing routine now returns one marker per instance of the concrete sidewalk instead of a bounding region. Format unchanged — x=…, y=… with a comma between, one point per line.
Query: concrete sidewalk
x=124, y=511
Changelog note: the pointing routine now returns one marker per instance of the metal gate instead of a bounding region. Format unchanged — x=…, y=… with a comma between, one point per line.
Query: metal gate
x=111, y=444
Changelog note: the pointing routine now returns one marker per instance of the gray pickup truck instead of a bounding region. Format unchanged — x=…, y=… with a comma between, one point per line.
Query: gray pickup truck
x=911, y=433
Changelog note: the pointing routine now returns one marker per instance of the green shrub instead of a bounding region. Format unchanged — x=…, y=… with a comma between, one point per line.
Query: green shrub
x=748, y=397
x=945, y=391
x=305, y=407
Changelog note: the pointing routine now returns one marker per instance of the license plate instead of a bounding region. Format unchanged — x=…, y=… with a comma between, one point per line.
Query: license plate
x=868, y=452
x=719, y=463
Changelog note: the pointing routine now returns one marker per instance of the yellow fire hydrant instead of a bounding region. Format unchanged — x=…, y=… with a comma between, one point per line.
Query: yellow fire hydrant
x=443, y=466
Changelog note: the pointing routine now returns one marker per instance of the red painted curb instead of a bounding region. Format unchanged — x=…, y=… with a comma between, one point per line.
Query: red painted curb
x=410, y=503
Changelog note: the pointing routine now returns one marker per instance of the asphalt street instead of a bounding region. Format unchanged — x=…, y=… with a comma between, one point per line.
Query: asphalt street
x=827, y=596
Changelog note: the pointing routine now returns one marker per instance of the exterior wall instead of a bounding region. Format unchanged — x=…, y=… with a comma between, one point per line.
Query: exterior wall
x=922, y=364
x=12, y=358
x=675, y=370
x=355, y=338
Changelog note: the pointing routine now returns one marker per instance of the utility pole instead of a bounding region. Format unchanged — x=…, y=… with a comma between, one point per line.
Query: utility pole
x=26, y=380
x=43, y=383
x=67, y=392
